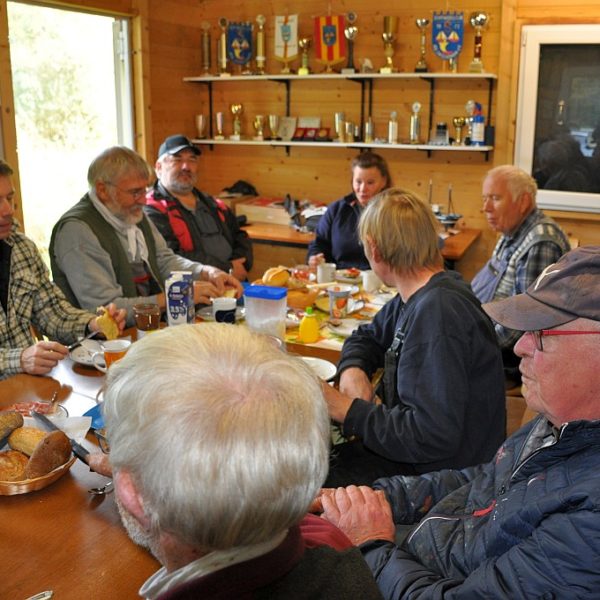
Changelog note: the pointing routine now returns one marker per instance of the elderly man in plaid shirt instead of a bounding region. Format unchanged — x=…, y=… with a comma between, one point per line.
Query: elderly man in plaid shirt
x=28, y=297
x=530, y=242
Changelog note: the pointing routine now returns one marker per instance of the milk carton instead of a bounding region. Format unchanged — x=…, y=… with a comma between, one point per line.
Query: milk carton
x=179, y=292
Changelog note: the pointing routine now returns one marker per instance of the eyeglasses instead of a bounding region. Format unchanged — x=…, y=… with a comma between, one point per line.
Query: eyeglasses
x=135, y=193
x=177, y=160
x=539, y=334
x=495, y=198
x=102, y=440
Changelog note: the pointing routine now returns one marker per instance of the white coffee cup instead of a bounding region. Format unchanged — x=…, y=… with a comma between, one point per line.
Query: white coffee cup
x=112, y=351
x=223, y=310
x=370, y=281
x=325, y=272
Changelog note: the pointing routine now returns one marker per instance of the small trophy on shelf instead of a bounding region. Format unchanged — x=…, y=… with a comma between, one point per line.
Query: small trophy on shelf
x=421, y=66
x=200, y=126
x=236, y=110
x=390, y=25
x=304, y=44
x=205, y=45
x=414, y=134
x=259, y=127
x=274, y=127
x=478, y=21
x=261, y=58
x=219, y=126
x=459, y=123
x=222, y=49
x=350, y=33
x=339, y=126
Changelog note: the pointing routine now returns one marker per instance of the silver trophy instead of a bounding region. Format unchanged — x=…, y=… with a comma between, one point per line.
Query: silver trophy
x=478, y=21
x=350, y=33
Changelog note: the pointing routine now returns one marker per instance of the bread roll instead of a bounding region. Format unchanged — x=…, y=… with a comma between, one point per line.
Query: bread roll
x=108, y=326
x=53, y=451
x=276, y=276
x=12, y=465
x=9, y=421
x=26, y=439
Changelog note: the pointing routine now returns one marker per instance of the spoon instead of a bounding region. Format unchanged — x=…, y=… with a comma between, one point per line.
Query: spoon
x=101, y=491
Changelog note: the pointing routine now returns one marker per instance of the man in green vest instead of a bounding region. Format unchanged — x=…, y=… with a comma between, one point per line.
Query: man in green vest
x=104, y=249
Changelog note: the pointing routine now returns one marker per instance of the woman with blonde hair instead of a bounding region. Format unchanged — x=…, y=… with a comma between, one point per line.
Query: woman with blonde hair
x=441, y=401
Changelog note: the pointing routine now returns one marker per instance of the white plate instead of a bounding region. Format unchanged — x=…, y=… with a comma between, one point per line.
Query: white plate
x=342, y=275
x=354, y=305
x=83, y=354
x=321, y=368
x=206, y=313
x=346, y=327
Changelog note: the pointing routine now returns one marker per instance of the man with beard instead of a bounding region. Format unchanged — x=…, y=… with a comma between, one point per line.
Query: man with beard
x=104, y=249
x=194, y=224
x=217, y=483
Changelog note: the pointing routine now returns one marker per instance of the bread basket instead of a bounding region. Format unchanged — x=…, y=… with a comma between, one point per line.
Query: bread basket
x=12, y=488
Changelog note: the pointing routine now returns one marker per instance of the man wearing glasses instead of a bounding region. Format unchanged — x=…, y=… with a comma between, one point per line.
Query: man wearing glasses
x=526, y=524
x=194, y=224
x=530, y=241
x=104, y=249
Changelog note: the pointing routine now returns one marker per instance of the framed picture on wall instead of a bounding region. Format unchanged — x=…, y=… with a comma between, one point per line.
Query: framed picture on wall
x=558, y=114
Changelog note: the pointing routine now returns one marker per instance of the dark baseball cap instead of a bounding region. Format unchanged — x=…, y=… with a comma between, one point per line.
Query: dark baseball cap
x=176, y=143
x=567, y=290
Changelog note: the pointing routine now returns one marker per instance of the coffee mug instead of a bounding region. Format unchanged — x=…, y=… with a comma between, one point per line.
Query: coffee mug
x=370, y=281
x=112, y=351
x=223, y=310
x=325, y=272
x=339, y=296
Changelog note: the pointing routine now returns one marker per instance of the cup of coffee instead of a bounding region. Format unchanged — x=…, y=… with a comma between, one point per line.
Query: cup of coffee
x=339, y=295
x=223, y=310
x=112, y=351
x=370, y=281
x=325, y=272
x=147, y=318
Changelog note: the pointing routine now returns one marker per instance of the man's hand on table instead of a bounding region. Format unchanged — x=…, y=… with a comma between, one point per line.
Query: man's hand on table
x=316, y=259
x=42, y=357
x=355, y=383
x=338, y=404
x=362, y=513
x=222, y=281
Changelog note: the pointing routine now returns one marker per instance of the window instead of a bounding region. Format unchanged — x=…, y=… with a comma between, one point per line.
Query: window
x=72, y=88
x=558, y=116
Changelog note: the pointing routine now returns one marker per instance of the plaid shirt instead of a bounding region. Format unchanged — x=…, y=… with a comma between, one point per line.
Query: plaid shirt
x=33, y=300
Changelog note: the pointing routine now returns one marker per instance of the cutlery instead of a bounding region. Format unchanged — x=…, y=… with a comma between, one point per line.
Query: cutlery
x=76, y=344
x=107, y=488
x=78, y=450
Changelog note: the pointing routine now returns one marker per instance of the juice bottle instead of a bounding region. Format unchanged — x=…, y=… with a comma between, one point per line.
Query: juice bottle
x=309, y=327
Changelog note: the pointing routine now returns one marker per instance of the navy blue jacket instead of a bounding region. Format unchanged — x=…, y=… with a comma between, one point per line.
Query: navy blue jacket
x=526, y=525
x=337, y=236
x=448, y=408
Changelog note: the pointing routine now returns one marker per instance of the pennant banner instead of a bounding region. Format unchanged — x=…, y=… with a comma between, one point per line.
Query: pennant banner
x=239, y=43
x=447, y=34
x=286, y=37
x=330, y=42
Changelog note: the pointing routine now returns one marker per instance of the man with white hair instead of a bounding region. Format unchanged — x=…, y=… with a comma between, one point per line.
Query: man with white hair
x=218, y=443
x=530, y=241
x=104, y=249
x=526, y=524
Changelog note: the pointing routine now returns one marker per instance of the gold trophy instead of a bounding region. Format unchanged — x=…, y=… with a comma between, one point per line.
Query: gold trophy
x=205, y=44
x=219, y=125
x=305, y=44
x=479, y=21
x=350, y=33
x=421, y=66
x=222, y=53
x=274, y=127
x=390, y=25
x=236, y=110
x=260, y=45
x=200, y=126
x=259, y=127
x=459, y=123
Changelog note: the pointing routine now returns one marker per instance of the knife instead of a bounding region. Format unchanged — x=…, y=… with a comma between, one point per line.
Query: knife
x=78, y=450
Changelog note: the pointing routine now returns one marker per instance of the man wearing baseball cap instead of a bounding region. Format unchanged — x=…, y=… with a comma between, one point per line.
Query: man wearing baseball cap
x=527, y=524
x=194, y=224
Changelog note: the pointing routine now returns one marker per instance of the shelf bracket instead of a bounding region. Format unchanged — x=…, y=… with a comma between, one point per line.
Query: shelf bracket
x=288, y=88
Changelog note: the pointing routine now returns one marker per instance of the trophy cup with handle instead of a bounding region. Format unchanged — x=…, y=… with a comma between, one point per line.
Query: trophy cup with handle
x=236, y=110
x=219, y=126
x=478, y=21
x=274, y=127
x=421, y=66
x=459, y=123
x=390, y=25
x=259, y=127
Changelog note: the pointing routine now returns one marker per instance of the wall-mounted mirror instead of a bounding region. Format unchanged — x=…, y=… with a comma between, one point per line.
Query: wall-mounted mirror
x=558, y=118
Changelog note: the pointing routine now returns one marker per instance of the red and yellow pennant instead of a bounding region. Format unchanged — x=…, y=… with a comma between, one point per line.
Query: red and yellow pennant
x=330, y=43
